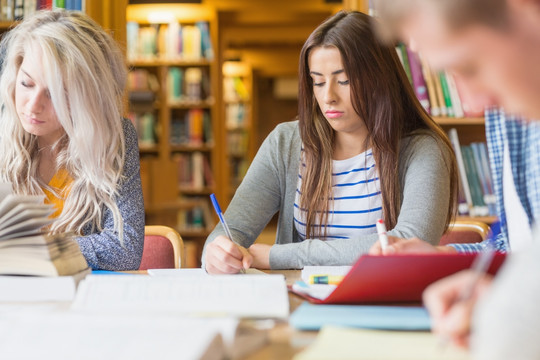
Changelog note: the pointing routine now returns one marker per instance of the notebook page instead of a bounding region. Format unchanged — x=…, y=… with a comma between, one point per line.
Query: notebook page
x=339, y=343
x=82, y=336
x=254, y=296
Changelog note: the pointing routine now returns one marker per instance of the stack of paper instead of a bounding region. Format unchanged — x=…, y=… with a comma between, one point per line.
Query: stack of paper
x=254, y=296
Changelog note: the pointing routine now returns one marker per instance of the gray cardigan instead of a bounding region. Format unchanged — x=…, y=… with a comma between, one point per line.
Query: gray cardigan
x=103, y=250
x=270, y=185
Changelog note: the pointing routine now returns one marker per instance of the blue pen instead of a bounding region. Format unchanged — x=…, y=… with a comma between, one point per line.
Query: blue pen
x=222, y=220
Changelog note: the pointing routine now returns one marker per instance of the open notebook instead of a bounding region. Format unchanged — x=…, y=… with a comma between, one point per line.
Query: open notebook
x=253, y=296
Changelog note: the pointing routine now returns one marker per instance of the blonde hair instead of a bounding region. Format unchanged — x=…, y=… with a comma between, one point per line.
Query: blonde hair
x=86, y=76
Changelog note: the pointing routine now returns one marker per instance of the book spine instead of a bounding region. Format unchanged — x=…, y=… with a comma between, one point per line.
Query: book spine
x=446, y=94
x=454, y=95
x=426, y=71
x=480, y=208
x=464, y=183
x=484, y=176
x=419, y=83
x=439, y=93
x=405, y=59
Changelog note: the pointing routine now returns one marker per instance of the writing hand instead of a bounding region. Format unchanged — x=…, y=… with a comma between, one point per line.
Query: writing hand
x=450, y=317
x=225, y=257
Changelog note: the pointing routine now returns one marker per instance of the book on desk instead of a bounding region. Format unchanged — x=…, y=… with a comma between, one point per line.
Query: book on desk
x=389, y=278
x=35, y=265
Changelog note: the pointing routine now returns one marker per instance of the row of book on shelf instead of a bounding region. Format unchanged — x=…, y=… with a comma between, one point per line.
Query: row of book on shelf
x=190, y=42
x=189, y=84
x=191, y=127
x=437, y=91
x=194, y=171
x=476, y=196
x=18, y=9
x=183, y=85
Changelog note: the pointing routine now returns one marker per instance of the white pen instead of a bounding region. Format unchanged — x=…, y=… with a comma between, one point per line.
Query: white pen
x=223, y=222
x=381, y=230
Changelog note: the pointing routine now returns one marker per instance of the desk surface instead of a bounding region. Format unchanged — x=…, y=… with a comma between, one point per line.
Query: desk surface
x=284, y=340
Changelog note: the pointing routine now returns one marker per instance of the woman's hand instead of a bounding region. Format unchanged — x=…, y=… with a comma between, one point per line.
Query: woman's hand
x=222, y=256
x=261, y=256
x=403, y=246
x=450, y=315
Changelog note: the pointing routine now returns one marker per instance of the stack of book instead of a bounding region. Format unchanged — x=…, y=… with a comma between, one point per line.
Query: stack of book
x=27, y=252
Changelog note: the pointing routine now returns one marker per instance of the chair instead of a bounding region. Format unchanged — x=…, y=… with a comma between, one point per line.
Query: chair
x=163, y=248
x=465, y=231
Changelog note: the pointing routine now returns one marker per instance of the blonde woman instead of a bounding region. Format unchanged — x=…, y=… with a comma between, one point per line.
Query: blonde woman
x=363, y=148
x=62, y=133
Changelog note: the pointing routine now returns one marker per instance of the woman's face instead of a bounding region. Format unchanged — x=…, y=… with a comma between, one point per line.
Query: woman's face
x=33, y=101
x=332, y=90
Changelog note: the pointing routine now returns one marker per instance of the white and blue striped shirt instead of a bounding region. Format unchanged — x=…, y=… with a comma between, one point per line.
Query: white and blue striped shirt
x=356, y=202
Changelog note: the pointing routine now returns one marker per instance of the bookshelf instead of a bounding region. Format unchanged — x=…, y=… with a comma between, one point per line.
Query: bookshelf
x=441, y=96
x=238, y=110
x=173, y=102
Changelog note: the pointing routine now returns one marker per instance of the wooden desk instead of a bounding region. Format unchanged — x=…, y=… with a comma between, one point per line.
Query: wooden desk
x=284, y=340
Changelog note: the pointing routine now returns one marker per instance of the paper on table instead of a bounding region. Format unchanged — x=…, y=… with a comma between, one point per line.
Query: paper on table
x=319, y=291
x=255, y=296
x=346, y=343
x=81, y=336
x=194, y=272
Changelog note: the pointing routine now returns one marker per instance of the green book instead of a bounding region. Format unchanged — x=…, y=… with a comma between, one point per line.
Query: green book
x=446, y=94
x=405, y=58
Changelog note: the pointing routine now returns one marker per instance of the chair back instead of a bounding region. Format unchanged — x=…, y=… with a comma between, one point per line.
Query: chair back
x=465, y=231
x=163, y=248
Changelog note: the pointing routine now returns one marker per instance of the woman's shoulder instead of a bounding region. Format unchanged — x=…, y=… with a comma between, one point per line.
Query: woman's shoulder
x=285, y=133
x=287, y=128
x=422, y=139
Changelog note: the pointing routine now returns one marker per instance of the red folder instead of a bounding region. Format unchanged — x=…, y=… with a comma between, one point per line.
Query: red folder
x=397, y=278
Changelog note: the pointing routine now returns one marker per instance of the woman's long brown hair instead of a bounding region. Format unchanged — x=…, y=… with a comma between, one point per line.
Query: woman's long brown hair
x=383, y=98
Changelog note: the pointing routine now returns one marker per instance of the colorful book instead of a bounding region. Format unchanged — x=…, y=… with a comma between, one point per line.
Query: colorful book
x=419, y=83
x=446, y=94
x=405, y=60
x=439, y=93
x=454, y=95
x=426, y=71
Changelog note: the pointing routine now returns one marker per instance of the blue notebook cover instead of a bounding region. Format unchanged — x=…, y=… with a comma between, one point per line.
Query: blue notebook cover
x=314, y=316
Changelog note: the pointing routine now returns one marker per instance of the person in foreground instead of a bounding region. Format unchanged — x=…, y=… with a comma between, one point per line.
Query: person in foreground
x=363, y=148
x=62, y=133
x=494, y=48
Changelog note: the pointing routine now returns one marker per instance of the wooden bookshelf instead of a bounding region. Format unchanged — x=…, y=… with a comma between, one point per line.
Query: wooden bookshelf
x=238, y=116
x=169, y=198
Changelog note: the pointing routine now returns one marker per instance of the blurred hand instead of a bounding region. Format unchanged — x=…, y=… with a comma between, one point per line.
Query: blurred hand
x=407, y=246
x=261, y=256
x=451, y=316
x=222, y=256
